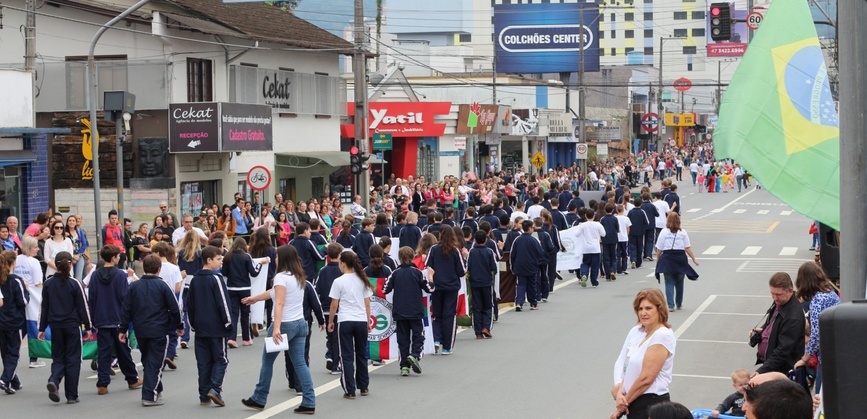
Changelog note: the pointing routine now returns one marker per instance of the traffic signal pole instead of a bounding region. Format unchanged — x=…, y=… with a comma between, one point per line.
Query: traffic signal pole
x=359, y=62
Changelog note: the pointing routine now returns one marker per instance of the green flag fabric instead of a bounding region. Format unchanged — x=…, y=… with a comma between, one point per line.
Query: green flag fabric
x=778, y=118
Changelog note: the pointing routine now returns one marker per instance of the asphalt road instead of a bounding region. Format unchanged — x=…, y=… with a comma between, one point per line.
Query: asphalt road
x=556, y=362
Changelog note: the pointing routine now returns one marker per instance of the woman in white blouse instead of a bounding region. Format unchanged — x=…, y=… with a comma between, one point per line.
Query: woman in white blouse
x=672, y=247
x=643, y=370
x=56, y=244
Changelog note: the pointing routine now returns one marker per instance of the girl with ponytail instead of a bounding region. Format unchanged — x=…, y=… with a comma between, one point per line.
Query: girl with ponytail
x=351, y=294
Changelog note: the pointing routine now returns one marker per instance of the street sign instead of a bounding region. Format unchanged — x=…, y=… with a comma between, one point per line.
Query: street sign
x=682, y=84
x=259, y=178
x=538, y=160
x=460, y=143
x=671, y=142
x=650, y=122
x=754, y=19
x=382, y=141
x=581, y=151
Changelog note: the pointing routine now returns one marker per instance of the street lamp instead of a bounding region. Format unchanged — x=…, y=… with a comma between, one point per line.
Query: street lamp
x=659, y=93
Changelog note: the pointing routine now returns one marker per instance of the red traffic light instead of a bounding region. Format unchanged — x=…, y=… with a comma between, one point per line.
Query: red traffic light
x=353, y=150
x=714, y=11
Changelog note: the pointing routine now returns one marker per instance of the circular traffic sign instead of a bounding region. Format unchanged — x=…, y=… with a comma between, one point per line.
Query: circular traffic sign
x=682, y=84
x=754, y=19
x=259, y=178
x=650, y=122
x=671, y=142
x=581, y=148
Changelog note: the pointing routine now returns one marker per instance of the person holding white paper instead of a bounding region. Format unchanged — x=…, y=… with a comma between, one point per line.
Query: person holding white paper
x=289, y=324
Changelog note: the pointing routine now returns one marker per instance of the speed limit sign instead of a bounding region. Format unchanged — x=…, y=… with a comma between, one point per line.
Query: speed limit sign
x=754, y=19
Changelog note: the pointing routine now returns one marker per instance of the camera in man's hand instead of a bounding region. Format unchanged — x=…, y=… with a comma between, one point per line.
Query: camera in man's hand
x=755, y=338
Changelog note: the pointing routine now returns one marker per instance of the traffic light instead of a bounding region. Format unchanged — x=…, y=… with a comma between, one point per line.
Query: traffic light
x=721, y=21
x=355, y=160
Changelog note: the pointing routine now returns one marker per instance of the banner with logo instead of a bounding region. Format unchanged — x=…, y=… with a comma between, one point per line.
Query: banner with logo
x=574, y=254
x=382, y=340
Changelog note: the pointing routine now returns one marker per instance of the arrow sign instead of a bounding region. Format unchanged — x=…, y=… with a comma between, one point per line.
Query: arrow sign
x=194, y=143
x=650, y=122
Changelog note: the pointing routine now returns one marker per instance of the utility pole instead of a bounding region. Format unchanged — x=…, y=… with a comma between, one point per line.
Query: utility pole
x=853, y=117
x=359, y=62
x=718, y=85
x=30, y=36
x=582, y=131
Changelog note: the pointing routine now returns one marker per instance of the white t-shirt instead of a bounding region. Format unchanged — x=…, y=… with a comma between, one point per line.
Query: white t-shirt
x=629, y=363
x=624, y=222
x=180, y=233
x=668, y=240
x=663, y=209
x=52, y=248
x=28, y=269
x=534, y=211
x=351, y=292
x=516, y=214
x=590, y=232
x=693, y=167
x=293, y=303
x=171, y=275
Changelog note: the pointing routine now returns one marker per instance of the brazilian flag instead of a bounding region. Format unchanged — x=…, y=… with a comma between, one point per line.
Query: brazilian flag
x=778, y=118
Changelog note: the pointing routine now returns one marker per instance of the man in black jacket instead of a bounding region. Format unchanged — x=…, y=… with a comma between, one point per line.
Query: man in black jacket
x=13, y=301
x=208, y=310
x=639, y=221
x=650, y=230
x=151, y=305
x=527, y=259
x=782, y=334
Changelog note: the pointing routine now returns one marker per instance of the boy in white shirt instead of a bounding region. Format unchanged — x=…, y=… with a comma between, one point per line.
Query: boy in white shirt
x=621, y=256
x=590, y=232
x=663, y=209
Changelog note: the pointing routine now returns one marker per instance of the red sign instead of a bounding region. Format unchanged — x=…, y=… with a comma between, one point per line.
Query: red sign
x=726, y=49
x=682, y=84
x=650, y=122
x=259, y=178
x=402, y=119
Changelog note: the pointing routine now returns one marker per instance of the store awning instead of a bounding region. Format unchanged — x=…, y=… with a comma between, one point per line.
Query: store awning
x=332, y=158
x=12, y=158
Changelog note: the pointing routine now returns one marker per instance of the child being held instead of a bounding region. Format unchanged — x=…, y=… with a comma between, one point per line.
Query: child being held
x=735, y=401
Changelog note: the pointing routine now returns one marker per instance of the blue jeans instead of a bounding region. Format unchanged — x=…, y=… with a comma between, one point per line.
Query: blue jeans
x=695, y=176
x=674, y=290
x=296, y=333
x=590, y=266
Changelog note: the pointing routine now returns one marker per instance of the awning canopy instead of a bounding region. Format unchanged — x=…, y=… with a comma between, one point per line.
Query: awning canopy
x=332, y=158
x=12, y=158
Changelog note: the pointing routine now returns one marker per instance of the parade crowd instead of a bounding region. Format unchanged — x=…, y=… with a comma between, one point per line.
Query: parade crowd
x=185, y=282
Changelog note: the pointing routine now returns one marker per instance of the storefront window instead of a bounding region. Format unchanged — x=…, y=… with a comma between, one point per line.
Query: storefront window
x=427, y=158
x=197, y=195
x=287, y=188
x=10, y=195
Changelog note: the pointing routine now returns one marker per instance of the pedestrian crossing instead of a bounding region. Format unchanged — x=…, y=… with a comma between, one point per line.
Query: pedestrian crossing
x=761, y=251
x=784, y=213
x=728, y=226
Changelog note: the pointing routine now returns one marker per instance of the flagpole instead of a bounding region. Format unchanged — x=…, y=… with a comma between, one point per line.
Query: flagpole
x=853, y=171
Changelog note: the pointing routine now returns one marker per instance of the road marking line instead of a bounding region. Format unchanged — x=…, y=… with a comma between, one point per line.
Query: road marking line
x=689, y=321
x=762, y=212
x=713, y=250
x=701, y=376
x=751, y=250
x=651, y=275
x=788, y=251
x=294, y=401
x=743, y=265
x=786, y=212
x=730, y=203
x=717, y=210
x=759, y=259
x=733, y=314
x=773, y=226
x=709, y=341
x=740, y=211
x=694, y=210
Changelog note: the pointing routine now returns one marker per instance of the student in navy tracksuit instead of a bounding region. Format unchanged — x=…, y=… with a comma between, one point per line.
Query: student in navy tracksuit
x=514, y=233
x=363, y=242
x=13, y=303
x=308, y=252
x=327, y=275
x=108, y=286
x=237, y=268
x=407, y=284
x=399, y=224
x=482, y=268
x=649, y=230
x=527, y=258
x=64, y=308
x=209, y=312
x=447, y=263
x=436, y=226
x=609, y=242
x=316, y=237
x=345, y=236
x=545, y=281
x=151, y=306
x=470, y=220
x=410, y=234
x=639, y=221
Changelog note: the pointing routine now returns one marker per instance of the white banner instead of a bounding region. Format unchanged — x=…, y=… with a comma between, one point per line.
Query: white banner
x=573, y=256
x=258, y=285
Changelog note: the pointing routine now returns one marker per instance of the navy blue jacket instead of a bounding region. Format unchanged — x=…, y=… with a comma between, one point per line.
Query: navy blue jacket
x=63, y=304
x=362, y=247
x=385, y=272
x=151, y=306
x=571, y=219
x=527, y=256
x=547, y=244
x=671, y=198
x=448, y=269
x=612, y=227
x=652, y=213
x=481, y=266
x=564, y=199
x=238, y=268
x=639, y=221
x=105, y=296
x=491, y=244
x=472, y=224
x=346, y=242
x=311, y=305
x=491, y=219
x=208, y=306
x=500, y=235
x=578, y=202
x=191, y=268
x=327, y=275
x=317, y=238
x=309, y=254
x=422, y=221
x=434, y=228
x=396, y=229
x=382, y=231
x=407, y=284
x=499, y=212
x=510, y=238
x=559, y=220
x=554, y=233
x=410, y=236
x=15, y=299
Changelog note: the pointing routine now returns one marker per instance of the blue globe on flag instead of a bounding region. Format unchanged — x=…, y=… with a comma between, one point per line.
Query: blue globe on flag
x=806, y=80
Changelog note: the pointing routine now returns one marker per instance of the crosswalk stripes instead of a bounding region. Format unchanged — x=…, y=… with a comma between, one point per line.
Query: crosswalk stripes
x=713, y=250
x=728, y=226
x=751, y=250
x=761, y=251
x=694, y=210
x=740, y=211
x=762, y=212
x=786, y=212
x=788, y=251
